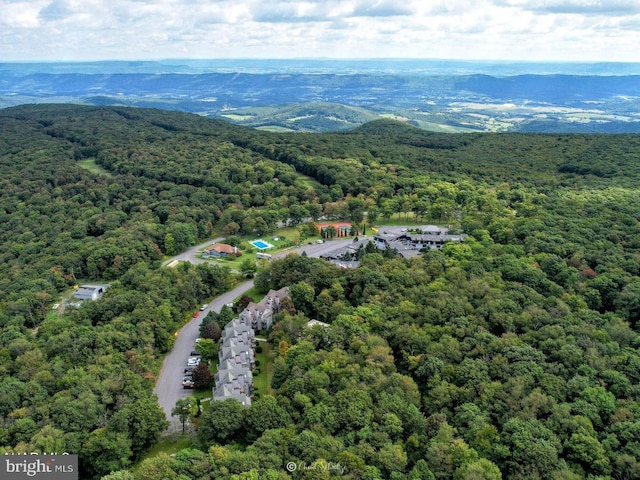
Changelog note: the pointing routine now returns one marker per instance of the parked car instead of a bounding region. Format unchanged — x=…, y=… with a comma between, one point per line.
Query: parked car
x=193, y=362
x=187, y=381
x=195, y=353
x=196, y=315
x=204, y=307
x=198, y=340
x=189, y=370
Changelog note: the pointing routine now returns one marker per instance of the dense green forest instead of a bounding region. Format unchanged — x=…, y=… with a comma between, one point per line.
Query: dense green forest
x=512, y=355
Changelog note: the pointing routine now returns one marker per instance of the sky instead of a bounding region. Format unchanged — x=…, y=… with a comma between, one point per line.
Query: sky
x=530, y=30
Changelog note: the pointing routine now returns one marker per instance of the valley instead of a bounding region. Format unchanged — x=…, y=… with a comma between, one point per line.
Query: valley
x=317, y=96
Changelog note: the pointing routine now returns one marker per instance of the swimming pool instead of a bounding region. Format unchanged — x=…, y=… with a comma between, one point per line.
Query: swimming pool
x=261, y=244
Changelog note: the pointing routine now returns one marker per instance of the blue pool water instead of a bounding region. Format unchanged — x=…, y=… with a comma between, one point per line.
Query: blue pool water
x=260, y=244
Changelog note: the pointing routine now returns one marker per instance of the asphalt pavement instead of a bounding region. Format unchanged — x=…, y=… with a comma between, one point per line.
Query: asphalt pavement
x=169, y=383
x=315, y=249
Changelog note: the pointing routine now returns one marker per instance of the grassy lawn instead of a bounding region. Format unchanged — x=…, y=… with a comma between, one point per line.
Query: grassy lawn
x=307, y=181
x=238, y=117
x=274, y=128
x=262, y=381
x=402, y=219
x=249, y=251
x=202, y=393
x=284, y=238
x=254, y=294
x=170, y=444
x=54, y=314
x=90, y=165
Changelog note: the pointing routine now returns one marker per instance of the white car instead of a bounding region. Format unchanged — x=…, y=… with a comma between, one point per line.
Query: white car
x=193, y=362
x=204, y=307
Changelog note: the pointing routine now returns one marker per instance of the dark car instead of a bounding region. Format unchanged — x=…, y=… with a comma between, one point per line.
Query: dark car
x=195, y=353
x=189, y=370
x=187, y=381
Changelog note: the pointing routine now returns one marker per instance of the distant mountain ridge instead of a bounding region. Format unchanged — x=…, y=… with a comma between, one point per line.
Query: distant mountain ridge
x=442, y=101
x=552, y=88
x=386, y=66
x=240, y=87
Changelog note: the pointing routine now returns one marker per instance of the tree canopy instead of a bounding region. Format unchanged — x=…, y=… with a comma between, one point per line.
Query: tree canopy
x=512, y=355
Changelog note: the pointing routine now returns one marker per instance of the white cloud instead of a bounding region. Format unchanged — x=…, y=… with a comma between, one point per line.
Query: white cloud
x=586, y=7
x=489, y=29
x=381, y=8
x=20, y=14
x=292, y=12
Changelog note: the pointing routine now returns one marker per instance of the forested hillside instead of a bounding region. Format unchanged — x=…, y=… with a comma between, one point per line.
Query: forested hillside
x=311, y=95
x=512, y=355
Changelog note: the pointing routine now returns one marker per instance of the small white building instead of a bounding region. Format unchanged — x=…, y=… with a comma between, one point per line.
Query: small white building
x=90, y=292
